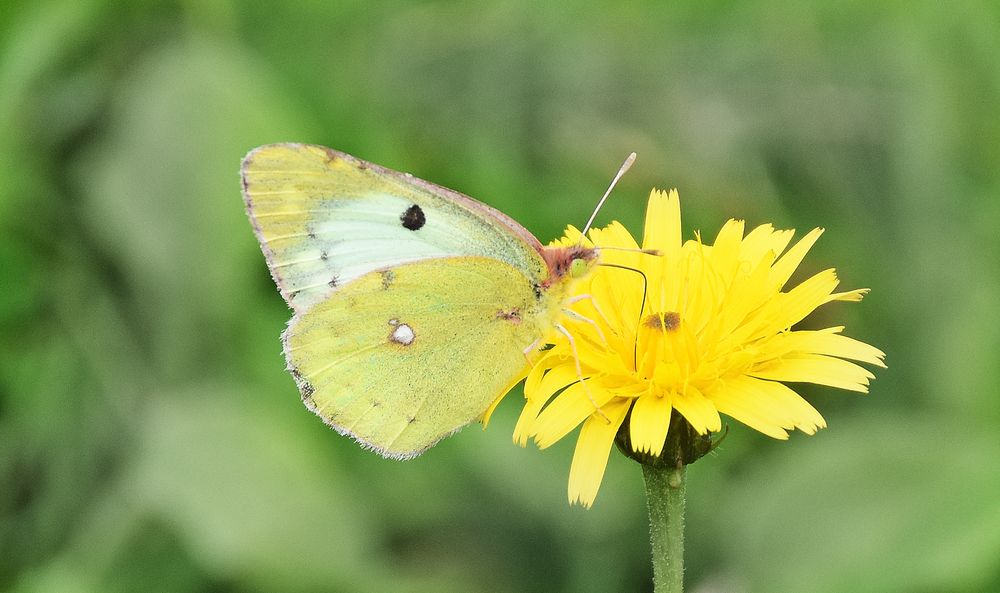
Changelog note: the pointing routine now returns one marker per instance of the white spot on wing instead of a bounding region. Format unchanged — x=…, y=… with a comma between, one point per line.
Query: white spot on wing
x=403, y=334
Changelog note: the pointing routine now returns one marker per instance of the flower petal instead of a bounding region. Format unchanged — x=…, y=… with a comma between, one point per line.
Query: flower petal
x=697, y=410
x=538, y=390
x=828, y=342
x=663, y=223
x=590, y=458
x=568, y=410
x=549, y=360
x=725, y=254
x=526, y=421
x=731, y=398
x=793, y=306
x=790, y=261
x=649, y=422
x=818, y=369
x=624, y=290
x=556, y=379
x=851, y=296
x=763, y=239
x=781, y=401
x=485, y=419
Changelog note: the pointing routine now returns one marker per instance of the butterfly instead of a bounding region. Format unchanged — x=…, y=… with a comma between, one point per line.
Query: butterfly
x=415, y=307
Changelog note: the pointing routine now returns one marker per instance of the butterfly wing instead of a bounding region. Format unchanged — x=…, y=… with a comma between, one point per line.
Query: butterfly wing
x=325, y=218
x=413, y=303
x=400, y=358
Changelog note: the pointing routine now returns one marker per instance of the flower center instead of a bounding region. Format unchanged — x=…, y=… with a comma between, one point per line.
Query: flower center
x=665, y=322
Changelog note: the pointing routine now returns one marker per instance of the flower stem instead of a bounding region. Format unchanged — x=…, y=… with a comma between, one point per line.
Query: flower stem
x=665, y=499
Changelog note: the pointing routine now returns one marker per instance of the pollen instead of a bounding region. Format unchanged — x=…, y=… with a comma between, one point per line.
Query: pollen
x=665, y=322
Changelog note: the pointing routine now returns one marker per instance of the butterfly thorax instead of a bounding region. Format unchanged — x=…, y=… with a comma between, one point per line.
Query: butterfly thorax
x=566, y=266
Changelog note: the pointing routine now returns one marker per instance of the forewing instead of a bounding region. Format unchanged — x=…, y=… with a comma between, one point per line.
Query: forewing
x=324, y=218
x=400, y=358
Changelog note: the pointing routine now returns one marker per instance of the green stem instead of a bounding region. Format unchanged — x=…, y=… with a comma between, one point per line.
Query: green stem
x=665, y=499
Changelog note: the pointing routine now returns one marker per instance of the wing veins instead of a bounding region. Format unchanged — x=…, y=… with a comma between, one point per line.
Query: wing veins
x=341, y=360
x=426, y=397
x=402, y=315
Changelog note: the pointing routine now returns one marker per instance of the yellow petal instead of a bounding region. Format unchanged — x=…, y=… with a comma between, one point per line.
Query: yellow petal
x=821, y=370
x=556, y=379
x=619, y=236
x=489, y=411
x=663, y=223
x=782, y=403
x=851, y=296
x=763, y=239
x=549, y=360
x=526, y=421
x=746, y=294
x=539, y=388
x=828, y=342
x=571, y=236
x=648, y=423
x=794, y=305
x=730, y=398
x=725, y=254
x=592, y=449
x=568, y=410
x=697, y=410
x=623, y=290
x=790, y=261
x=701, y=292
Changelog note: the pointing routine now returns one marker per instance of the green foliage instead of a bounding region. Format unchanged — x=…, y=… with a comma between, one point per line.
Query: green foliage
x=150, y=439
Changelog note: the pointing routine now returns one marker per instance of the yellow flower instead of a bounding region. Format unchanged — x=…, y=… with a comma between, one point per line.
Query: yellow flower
x=695, y=329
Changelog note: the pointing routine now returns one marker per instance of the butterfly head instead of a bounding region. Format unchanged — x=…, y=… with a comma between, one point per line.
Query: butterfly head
x=568, y=263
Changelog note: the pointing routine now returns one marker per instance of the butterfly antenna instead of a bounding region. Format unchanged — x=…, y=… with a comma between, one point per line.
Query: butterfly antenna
x=621, y=171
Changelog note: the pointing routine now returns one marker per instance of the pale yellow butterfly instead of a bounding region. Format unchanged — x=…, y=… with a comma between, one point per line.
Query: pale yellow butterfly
x=415, y=307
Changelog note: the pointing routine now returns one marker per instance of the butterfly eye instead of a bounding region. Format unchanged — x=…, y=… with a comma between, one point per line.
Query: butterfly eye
x=578, y=267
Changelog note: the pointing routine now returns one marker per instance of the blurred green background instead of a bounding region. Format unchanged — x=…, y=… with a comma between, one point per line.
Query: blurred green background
x=150, y=439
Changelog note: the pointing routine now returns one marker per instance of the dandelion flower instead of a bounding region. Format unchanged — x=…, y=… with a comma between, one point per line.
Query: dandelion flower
x=692, y=329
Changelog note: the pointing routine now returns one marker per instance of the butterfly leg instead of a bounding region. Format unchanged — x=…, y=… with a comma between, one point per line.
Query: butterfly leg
x=579, y=372
x=527, y=351
x=576, y=316
x=586, y=297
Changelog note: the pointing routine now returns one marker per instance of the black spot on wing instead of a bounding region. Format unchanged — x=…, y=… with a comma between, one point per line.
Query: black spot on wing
x=413, y=218
x=333, y=282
